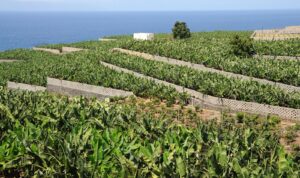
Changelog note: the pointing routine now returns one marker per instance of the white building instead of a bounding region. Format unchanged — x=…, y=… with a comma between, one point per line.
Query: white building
x=143, y=36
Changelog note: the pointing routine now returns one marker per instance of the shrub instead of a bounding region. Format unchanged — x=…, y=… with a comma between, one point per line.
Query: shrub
x=181, y=31
x=242, y=47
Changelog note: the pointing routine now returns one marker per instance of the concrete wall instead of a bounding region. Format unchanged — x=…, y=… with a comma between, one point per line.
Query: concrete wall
x=54, y=51
x=78, y=89
x=71, y=89
x=8, y=60
x=21, y=86
x=70, y=49
x=106, y=39
x=212, y=102
x=287, y=88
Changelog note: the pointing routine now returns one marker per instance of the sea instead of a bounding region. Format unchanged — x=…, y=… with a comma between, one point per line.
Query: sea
x=28, y=29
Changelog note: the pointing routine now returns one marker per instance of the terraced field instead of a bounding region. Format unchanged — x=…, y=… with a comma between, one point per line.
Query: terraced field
x=206, y=82
x=158, y=133
x=214, y=52
x=79, y=68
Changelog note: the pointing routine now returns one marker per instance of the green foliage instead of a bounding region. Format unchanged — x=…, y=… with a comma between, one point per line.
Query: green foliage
x=292, y=133
x=242, y=47
x=279, y=48
x=181, y=31
x=49, y=136
x=23, y=54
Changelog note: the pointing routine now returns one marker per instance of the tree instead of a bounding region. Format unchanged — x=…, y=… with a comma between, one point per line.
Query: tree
x=181, y=31
x=242, y=47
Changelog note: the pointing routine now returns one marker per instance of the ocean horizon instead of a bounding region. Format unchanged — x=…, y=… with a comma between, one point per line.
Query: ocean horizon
x=28, y=29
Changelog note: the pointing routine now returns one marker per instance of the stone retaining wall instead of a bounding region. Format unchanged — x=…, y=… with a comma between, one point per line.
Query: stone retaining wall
x=64, y=50
x=22, y=86
x=71, y=89
x=107, y=39
x=75, y=89
x=71, y=49
x=54, y=51
x=221, y=103
x=8, y=60
x=290, y=32
x=287, y=88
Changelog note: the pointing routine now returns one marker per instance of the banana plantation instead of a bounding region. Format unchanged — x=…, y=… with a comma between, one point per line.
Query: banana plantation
x=157, y=132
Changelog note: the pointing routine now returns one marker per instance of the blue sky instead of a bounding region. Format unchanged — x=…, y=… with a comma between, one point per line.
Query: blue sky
x=145, y=5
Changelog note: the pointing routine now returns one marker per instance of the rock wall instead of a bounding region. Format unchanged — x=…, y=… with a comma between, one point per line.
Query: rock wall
x=22, y=86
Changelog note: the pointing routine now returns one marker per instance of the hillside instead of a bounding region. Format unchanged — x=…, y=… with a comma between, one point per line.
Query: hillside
x=197, y=110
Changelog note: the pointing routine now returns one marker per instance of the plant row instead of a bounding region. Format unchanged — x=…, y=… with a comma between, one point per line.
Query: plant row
x=220, y=40
x=23, y=54
x=279, y=48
